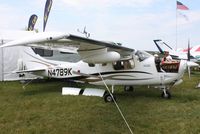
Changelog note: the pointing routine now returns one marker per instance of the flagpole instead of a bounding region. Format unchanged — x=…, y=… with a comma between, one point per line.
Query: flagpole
x=179, y=6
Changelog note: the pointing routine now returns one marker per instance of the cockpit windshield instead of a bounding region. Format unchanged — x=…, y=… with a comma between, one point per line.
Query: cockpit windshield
x=142, y=55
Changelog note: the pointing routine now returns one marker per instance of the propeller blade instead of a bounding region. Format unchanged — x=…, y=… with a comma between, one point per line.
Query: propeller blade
x=188, y=71
x=188, y=58
x=188, y=53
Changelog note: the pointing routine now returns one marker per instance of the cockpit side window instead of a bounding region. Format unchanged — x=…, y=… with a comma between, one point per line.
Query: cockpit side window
x=142, y=55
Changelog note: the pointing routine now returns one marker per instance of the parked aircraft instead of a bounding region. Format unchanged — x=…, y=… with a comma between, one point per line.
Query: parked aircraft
x=194, y=52
x=184, y=54
x=100, y=63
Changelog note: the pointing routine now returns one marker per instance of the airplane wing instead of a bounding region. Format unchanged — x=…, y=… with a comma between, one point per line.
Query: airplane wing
x=90, y=50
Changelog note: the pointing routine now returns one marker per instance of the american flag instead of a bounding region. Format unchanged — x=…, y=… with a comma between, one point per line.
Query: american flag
x=181, y=6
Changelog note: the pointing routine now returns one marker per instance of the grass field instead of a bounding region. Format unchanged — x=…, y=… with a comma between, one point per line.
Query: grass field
x=41, y=109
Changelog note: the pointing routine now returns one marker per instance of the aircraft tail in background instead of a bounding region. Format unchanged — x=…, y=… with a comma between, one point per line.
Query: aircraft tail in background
x=162, y=47
x=175, y=54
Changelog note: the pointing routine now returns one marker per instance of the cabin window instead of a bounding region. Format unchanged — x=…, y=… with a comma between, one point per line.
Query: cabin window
x=91, y=65
x=142, y=55
x=57, y=55
x=123, y=65
x=104, y=64
x=43, y=52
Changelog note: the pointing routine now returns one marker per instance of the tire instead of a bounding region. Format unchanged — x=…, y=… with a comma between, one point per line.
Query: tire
x=128, y=88
x=108, y=98
x=167, y=96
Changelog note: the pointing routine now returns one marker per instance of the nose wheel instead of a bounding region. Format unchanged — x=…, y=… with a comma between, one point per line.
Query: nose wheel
x=166, y=94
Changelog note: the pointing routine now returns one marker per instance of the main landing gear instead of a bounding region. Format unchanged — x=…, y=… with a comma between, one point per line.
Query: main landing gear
x=165, y=93
x=128, y=88
x=108, y=96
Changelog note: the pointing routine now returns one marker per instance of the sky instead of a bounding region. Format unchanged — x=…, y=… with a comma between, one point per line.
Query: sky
x=134, y=23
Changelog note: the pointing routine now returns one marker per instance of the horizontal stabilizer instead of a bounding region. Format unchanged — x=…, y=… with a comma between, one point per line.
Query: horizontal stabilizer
x=29, y=71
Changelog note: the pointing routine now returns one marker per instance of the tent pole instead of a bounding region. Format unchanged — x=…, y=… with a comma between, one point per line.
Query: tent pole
x=2, y=60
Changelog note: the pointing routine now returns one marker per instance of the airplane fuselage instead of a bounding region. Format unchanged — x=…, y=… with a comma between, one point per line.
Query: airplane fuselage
x=132, y=72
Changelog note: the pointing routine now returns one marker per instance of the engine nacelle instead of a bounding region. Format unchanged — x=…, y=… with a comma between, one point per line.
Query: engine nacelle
x=103, y=58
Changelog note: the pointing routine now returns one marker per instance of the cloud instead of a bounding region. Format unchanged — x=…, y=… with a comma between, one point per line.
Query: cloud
x=82, y=4
x=6, y=16
x=194, y=16
x=134, y=23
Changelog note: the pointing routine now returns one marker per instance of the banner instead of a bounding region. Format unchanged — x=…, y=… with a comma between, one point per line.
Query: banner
x=32, y=22
x=46, y=12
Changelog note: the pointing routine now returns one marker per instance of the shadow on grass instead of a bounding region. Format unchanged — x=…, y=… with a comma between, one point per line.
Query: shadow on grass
x=30, y=92
x=51, y=86
x=55, y=87
x=183, y=97
x=180, y=96
x=44, y=87
x=138, y=93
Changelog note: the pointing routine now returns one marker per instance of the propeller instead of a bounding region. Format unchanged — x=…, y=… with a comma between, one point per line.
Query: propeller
x=190, y=63
x=188, y=59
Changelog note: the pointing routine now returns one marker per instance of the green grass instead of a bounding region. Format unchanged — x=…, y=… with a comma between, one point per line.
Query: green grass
x=41, y=109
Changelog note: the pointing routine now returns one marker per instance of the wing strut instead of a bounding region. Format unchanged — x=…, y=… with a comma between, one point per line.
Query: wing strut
x=122, y=115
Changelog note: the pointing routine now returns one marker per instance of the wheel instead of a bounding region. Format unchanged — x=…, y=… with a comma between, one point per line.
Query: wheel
x=167, y=95
x=128, y=88
x=108, y=98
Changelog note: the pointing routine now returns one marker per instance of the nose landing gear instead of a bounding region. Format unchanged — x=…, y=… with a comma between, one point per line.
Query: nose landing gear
x=166, y=93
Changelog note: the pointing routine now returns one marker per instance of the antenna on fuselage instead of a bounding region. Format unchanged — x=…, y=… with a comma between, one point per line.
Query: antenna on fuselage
x=87, y=35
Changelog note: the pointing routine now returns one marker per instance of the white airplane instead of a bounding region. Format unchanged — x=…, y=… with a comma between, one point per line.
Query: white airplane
x=179, y=53
x=183, y=54
x=194, y=52
x=100, y=63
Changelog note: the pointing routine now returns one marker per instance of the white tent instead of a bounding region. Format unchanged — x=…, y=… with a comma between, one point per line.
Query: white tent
x=1, y=65
x=10, y=56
